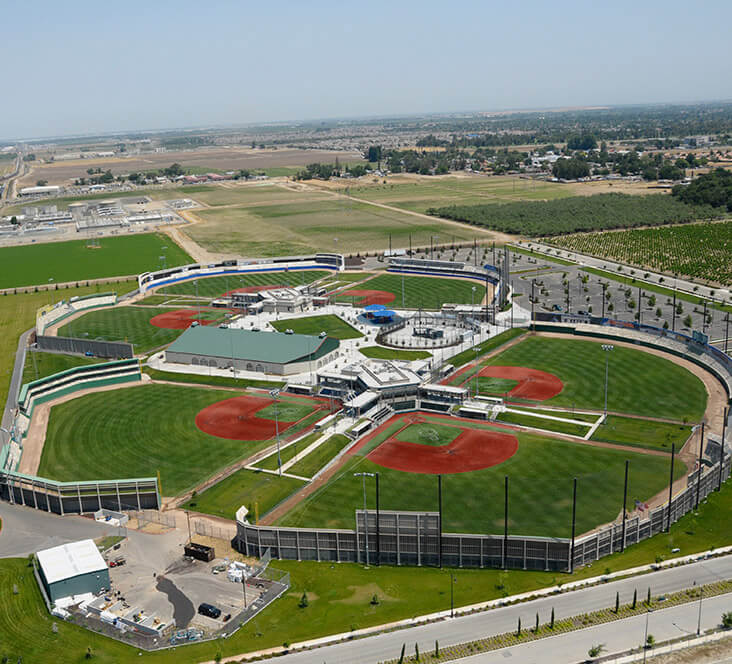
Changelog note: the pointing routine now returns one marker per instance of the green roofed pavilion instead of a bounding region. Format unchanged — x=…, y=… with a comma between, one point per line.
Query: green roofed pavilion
x=246, y=350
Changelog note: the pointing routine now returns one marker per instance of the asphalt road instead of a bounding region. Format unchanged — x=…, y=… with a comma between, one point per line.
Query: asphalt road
x=499, y=621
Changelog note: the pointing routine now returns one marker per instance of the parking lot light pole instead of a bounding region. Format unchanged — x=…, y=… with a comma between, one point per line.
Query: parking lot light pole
x=363, y=477
x=607, y=348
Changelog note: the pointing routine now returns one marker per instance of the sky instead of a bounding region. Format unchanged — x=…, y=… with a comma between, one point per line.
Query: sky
x=86, y=67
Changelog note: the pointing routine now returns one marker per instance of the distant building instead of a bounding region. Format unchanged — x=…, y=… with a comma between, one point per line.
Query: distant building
x=73, y=569
x=39, y=191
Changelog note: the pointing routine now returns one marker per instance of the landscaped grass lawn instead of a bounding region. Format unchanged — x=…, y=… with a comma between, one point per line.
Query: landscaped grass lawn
x=423, y=292
x=218, y=381
x=18, y=313
x=540, y=473
x=332, y=325
x=642, y=433
x=381, y=353
x=136, y=431
x=639, y=383
x=72, y=261
x=321, y=455
x=39, y=364
x=287, y=453
x=128, y=323
x=210, y=287
x=543, y=423
x=244, y=487
x=343, y=595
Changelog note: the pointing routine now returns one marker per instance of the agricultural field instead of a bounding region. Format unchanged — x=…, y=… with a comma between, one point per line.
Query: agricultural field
x=18, y=313
x=419, y=292
x=72, y=261
x=126, y=323
x=137, y=431
x=540, y=472
x=700, y=251
x=259, y=492
x=39, y=364
x=251, y=194
x=578, y=213
x=331, y=324
x=326, y=223
x=419, y=194
x=638, y=381
x=211, y=287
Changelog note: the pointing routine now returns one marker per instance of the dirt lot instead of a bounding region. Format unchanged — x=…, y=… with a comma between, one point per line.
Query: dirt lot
x=64, y=172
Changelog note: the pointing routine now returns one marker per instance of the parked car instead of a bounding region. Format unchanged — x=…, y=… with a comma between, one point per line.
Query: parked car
x=209, y=610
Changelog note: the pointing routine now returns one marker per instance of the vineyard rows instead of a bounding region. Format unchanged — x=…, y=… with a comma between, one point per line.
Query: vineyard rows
x=700, y=251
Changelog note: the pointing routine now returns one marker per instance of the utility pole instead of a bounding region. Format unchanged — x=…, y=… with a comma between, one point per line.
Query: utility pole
x=673, y=315
x=640, y=315
x=604, y=288
x=275, y=395
x=704, y=322
x=699, y=469
x=671, y=486
x=625, y=506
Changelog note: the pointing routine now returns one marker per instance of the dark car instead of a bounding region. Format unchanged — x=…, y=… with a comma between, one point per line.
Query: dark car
x=209, y=610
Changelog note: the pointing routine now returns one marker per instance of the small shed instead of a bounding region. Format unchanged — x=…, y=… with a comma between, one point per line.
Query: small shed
x=73, y=569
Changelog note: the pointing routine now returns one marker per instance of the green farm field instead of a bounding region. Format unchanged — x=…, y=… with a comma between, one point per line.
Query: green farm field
x=331, y=324
x=420, y=194
x=128, y=323
x=700, y=251
x=324, y=223
x=251, y=194
x=72, y=261
x=422, y=292
x=136, y=431
x=540, y=474
x=216, y=286
x=638, y=381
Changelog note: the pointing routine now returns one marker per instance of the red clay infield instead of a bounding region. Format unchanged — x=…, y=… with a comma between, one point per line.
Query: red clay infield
x=370, y=296
x=473, y=449
x=532, y=383
x=235, y=419
x=180, y=319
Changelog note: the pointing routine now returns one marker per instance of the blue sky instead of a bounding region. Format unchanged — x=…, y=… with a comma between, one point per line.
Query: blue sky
x=82, y=67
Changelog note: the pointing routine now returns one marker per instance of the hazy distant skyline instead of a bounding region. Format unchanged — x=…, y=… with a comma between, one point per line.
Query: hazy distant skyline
x=83, y=67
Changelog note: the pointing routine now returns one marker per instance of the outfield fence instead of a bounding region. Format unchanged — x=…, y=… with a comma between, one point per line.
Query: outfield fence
x=417, y=538
x=89, y=347
x=55, y=313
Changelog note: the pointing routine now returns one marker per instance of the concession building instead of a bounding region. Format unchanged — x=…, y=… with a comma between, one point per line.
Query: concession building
x=276, y=353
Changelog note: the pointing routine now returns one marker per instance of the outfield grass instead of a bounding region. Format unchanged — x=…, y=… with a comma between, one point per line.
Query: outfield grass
x=321, y=455
x=382, y=353
x=296, y=226
x=18, y=313
x=72, y=261
x=217, y=286
x=287, y=453
x=39, y=365
x=541, y=474
x=128, y=323
x=423, y=292
x=135, y=432
x=484, y=347
x=638, y=381
x=543, y=423
x=259, y=492
x=217, y=381
x=340, y=597
x=642, y=433
x=332, y=325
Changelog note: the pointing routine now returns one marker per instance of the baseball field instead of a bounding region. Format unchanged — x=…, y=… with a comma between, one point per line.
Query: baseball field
x=332, y=325
x=73, y=261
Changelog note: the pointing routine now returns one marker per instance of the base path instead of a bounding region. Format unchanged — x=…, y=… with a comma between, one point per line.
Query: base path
x=473, y=449
x=235, y=419
x=369, y=296
x=532, y=384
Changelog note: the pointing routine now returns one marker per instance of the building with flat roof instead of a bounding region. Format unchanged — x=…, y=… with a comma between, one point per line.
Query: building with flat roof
x=75, y=568
x=39, y=191
x=276, y=353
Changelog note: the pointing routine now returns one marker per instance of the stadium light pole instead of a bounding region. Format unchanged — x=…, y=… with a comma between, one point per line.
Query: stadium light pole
x=607, y=348
x=699, y=468
x=363, y=477
x=275, y=395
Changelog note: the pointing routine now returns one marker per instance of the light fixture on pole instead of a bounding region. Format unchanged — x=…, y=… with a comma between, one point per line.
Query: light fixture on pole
x=275, y=395
x=363, y=477
x=607, y=348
